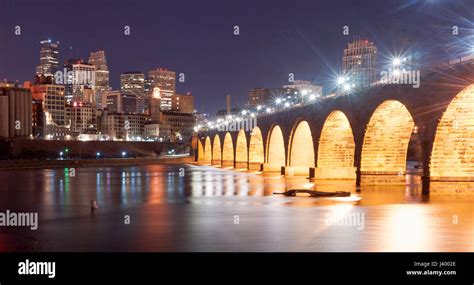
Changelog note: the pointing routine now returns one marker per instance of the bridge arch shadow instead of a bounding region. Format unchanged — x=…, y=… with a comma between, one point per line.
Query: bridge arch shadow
x=301, y=150
x=385, y=146
x=256, y=151
x=216, y=151
x=275, y=156
x=336, y=149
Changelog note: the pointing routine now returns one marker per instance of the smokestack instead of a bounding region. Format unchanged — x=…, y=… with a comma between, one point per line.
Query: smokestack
x=228, y=104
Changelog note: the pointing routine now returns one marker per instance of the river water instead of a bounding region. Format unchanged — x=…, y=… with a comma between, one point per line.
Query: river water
x=170, y=207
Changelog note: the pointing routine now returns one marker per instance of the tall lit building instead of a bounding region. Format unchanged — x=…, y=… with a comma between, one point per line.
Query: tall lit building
x=78, y=76
x=359, y=63
x=48, y=58
x=166, y=81
x=99, y=61
x=134, y=83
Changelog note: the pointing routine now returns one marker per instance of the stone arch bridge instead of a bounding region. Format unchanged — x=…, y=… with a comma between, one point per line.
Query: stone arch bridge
x=366, y=136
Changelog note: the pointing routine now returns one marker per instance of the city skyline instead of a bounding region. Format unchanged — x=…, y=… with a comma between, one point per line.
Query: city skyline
x=295, y=43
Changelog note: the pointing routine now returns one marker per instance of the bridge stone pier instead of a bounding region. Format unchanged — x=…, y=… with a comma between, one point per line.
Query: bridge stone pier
x=366, y=136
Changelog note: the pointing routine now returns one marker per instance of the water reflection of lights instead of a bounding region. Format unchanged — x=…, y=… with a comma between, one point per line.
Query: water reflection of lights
x=407, y=229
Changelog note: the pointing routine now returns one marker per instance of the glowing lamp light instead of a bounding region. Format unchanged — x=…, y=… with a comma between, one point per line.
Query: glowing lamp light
x=346, y=87
x=304, y=92
x=259, y=107
x=287, y=104
x=396, y=61
x=312, y=97
x=124, y=153
x=341, y=80
x=244, y=112
x=278, y=101
x=269, y=110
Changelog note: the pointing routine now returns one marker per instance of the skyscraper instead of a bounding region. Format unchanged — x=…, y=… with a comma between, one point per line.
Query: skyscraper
x=48, y=58
x=166, y=81
x=134, y=83
x=99, y=60
x=359, y=63
x=78, y=75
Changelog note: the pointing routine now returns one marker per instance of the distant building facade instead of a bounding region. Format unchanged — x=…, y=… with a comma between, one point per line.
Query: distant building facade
x=182, y=103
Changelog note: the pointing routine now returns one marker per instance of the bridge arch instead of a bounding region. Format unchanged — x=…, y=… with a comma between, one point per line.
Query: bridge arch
x=301, y=149
x=256, y=151
x=385, y=146
x=275, y=156
x=228, y=151
x=207, y=151
x=336, y=148
x=216, y=151
x=241, y=151
x=200, y=156
x=452, y=157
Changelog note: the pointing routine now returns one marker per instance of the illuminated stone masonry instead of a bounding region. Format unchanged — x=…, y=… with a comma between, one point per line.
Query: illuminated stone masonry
x=365, y=136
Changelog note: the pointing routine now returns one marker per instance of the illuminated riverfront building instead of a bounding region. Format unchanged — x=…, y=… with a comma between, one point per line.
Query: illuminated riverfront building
x=359, y=63
x=52, y=99
x=81, y=116
x=181, y=125
x=119, y=126
x=48, y=58
x=166, y=81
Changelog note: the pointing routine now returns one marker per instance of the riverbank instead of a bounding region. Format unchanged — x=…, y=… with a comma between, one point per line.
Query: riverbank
x=16, y=164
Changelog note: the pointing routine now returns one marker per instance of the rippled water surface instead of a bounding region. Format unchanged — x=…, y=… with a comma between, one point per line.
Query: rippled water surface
x=200, y=208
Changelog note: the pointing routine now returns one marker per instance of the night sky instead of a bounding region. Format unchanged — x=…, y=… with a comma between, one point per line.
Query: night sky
x=196, y=38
